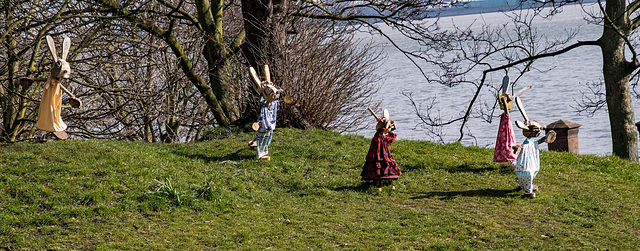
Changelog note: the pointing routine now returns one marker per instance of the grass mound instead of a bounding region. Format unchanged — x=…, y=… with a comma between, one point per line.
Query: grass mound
x=128, y=195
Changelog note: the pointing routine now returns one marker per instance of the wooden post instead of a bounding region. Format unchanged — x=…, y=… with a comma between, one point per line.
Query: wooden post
x=567, y=136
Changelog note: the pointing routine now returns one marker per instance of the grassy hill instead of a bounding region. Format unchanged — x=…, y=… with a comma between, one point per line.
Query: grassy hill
x=128, y=195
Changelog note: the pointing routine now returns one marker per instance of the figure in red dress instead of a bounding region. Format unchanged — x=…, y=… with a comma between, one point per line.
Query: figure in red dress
x=380, y=164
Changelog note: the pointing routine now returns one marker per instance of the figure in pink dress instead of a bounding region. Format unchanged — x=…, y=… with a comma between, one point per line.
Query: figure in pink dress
x=506, y=139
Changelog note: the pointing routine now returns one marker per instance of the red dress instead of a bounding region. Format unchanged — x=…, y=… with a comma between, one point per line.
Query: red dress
x=380, y=164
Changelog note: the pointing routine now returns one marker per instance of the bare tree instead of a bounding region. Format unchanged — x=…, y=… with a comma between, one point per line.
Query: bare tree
x=330, y=74
x=263, y=28
x=163, y=71
x=127, y=81
x=521, y=52
x=461, y=53
x=22, y=30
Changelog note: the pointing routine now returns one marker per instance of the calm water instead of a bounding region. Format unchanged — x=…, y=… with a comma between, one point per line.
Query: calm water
x=554, y=92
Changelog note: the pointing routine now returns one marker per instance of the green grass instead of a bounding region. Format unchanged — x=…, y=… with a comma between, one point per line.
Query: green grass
x=127, y=195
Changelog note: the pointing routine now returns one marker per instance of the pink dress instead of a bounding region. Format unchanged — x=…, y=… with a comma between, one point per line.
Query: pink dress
x=503, y=151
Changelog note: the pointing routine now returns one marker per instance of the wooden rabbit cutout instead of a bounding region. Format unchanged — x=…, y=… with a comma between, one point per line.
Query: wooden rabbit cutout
x=268, y=112
x=50, y=105
x=505, y=99
x=380, y=165
x=506, y=140
x=528, y=162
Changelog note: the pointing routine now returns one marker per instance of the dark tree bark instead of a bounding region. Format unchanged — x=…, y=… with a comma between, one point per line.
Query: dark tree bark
x=10, y=114
x=617, y=71
x=260, y=18
x=256, y=14
x=210, y=14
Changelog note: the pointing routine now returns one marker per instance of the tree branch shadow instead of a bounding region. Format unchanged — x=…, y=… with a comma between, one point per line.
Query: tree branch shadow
x=468, y=169
x=447, y=195
x=240, y=154
x=464, y=168
x=361, y=187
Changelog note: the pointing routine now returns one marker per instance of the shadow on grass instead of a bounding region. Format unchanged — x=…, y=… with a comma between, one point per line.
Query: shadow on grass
x=361, y=187
x=408, y=167
x=470, y=193
x=465, y=168
x=468, y=169
x=240, y=154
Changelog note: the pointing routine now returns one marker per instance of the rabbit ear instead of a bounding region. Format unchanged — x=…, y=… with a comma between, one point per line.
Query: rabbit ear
x=523, y=90
x=65, y=47
x=505, y=84
x=267, y=74
x=255, y=77
x=52, y=48
x=521, y=125
x=521, y=108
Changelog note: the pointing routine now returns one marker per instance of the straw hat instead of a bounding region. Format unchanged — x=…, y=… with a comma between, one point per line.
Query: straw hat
x=509, y=101
x=530, y=128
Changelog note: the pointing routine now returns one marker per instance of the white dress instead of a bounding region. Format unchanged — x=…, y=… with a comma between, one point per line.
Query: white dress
x=528, y=164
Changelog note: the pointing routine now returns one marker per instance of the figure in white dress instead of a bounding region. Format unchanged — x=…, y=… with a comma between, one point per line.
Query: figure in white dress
x=528, y=162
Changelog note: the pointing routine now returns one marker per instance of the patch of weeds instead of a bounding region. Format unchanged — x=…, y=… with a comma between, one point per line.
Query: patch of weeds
x=172, y=193
x=209, y=192
x=87, y=200
x=167, y=193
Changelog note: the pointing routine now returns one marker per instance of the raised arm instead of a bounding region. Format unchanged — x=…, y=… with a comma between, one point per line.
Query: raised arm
x=391, y=136
x=549, y=138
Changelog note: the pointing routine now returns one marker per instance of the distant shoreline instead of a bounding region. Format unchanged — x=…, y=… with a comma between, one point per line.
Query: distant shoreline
x=471, y=10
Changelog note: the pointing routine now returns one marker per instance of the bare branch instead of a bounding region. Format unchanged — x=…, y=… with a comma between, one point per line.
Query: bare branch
x=590, y=103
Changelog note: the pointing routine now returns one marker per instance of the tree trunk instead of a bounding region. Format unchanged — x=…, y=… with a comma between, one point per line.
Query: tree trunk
x=260, y=24
x=185, y=62
x=256, y=14
x=148, y=129
x=260, y=20
x=617, y=71
x=210, y=14
x=11, y=100
x=171, y=129
x=222, y=88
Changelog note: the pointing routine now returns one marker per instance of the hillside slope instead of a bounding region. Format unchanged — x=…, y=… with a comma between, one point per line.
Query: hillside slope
x=129, y=195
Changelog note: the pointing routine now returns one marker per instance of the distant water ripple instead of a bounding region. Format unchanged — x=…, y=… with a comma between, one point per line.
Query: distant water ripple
x=550, y=100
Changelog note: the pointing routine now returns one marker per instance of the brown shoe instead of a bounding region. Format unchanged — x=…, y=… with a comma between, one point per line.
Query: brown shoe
x=253, y=143
x=266, y=157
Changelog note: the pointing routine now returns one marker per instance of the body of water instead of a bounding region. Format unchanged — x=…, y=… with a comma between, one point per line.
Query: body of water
x=555, y=88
